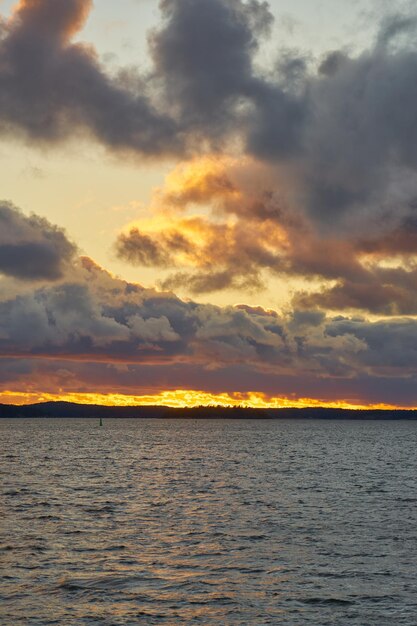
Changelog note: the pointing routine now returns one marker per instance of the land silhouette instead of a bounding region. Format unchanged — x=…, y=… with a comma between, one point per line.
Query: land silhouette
x=70, y=409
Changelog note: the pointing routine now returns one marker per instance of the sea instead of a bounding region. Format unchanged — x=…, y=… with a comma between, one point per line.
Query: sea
x=183, y=521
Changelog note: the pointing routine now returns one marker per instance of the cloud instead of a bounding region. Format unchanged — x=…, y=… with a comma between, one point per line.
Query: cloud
x=60, y=19
x=230, y=246
x=381, y=291
x=51, y=87
x=96, y=316
x=345, y=129
x=197, y=92
x=141, y=249
x=119, y=336
x=30, y=247
x=390, y=346
x=203, y=57
x=250, y=233
x=152, y=329
x=221, y=255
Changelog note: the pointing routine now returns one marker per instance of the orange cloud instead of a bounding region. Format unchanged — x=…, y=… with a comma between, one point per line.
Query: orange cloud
x=65, y=17
x=229, y=232
x=220, y=254
x=187, y=398
x=198, y=181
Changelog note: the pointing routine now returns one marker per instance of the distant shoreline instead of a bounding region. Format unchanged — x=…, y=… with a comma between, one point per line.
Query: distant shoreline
x=73, y=410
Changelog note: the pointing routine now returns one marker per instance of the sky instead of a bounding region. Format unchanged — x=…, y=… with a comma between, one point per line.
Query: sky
x=208, y=201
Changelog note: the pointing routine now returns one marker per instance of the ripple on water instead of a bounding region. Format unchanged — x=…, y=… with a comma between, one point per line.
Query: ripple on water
x=210, y=522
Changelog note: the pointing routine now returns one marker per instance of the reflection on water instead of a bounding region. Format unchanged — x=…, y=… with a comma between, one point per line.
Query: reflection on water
x=211, y=522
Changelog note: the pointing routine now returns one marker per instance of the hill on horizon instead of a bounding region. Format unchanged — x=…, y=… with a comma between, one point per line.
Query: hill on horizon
x=75, y=410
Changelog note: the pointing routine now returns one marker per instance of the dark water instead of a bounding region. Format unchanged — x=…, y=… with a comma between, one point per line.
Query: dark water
x=209, y=522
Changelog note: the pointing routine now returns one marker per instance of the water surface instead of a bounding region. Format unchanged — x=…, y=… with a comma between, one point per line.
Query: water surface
x=208, y=522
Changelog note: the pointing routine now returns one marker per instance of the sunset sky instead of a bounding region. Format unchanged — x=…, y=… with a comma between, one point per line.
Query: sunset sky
x=208, y=201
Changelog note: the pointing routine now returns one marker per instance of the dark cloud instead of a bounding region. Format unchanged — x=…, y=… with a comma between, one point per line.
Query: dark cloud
x=381, y=291
x=203, y=56
x=389, y=346
x=196, y=93
x=332, y=63
x=202, y=89
x=30, y=247
x=394, y=25
x=204, y=60
x=200, y=282
x=51, y=87
x=99, y=317
x=141, y=249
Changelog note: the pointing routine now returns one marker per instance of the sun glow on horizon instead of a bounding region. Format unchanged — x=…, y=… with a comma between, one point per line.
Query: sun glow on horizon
x=190, y=398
